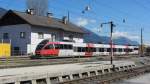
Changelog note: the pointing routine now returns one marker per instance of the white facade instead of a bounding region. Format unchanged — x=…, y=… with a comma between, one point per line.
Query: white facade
x=31, y=40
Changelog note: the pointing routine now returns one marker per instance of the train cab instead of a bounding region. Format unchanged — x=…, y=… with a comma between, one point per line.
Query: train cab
x=54, y=49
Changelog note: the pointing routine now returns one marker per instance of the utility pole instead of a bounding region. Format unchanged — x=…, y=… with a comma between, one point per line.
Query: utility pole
x=141, y=41
x=111, y=39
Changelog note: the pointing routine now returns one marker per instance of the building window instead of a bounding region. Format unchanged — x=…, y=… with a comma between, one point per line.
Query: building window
x=5, y=36
x=40, y=35
x=22, y=34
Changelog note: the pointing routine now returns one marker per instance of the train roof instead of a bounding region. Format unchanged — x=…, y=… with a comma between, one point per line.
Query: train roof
x=61, y=42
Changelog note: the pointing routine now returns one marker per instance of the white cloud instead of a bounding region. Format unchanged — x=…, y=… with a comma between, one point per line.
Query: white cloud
x=84, y=21
x=118, y=34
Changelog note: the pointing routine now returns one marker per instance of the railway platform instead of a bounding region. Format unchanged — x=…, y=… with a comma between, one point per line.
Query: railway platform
x=52, y=74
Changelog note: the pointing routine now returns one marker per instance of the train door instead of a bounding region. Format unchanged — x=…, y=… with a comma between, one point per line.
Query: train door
x=89, y=50
x=127, y=50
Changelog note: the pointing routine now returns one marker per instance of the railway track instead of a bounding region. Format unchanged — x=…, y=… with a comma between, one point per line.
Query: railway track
x=26, y=61
x=14, y=62
x=111, y=77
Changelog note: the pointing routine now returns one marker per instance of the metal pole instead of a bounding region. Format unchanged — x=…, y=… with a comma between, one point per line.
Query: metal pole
x=111, y=41
x=141, y=41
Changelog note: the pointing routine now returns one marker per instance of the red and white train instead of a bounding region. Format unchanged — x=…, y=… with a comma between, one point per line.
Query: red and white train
x=71, y=49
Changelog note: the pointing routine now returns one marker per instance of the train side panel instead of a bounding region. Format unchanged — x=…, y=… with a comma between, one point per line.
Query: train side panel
x=67, y=50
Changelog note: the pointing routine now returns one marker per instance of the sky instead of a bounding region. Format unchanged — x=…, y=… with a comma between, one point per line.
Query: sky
x=129, y=16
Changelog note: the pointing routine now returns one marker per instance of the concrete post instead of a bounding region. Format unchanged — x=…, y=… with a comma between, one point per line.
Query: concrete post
x=60, y=79
x=109, y=71
x=103, y=71
x=88, y=74
x=96, y=72
x=34, y=81
x=48, y=81
x=71, y=77
x=80, y=75
x=17, y=82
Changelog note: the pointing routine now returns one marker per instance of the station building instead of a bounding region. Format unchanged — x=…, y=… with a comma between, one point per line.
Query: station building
x=26, y=30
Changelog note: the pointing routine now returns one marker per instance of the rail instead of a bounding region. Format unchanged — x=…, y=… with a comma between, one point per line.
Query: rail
x=110, y=77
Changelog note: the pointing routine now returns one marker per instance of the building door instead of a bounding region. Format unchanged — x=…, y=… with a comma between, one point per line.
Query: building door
x=16, y=51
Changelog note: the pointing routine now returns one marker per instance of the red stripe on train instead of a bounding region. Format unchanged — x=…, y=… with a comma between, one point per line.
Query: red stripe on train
x=89, y=52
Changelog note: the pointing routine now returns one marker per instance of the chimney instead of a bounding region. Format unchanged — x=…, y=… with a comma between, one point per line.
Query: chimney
x=64, y=19
x=49, y=14
x=30, y=11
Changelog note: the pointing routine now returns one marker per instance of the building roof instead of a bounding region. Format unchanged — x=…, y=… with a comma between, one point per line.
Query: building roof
x=40, y=21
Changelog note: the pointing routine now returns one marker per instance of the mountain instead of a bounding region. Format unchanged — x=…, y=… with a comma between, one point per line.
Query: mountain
x=2, y=12
x=91, y=37
x=125, y=41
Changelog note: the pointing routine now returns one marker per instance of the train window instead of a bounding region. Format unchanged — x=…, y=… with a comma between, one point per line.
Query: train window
x=126, y=50
x=70, y=47
x=83, y=49
x=50, y=46
x=65, y=47
x=93, y=49
x=105, y=49
x=136, y=48
x=42, y=44
x=86, y=49
x=79, y=49
x=120, y=50
x=57, y=46
x=61, y=46
x=101, y=49
x=131, y=50
x=108, y=49
x=114, y=49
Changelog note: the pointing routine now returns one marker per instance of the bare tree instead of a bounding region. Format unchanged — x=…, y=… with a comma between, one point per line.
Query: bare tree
x=40, y=6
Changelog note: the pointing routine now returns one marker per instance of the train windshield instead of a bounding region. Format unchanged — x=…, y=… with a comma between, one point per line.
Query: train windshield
x=50, y=46
x=42, y=44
